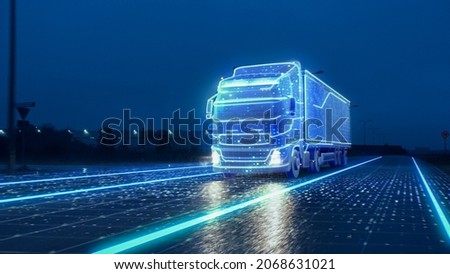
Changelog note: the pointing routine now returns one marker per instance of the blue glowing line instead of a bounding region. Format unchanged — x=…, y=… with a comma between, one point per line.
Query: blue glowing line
x=289, y=64
x=96, y=175
x=213, y=215
x=83, y=190
x=437, y=207
x=326, y=98
x=323, y=83
x=247, y=101
x=245, y=83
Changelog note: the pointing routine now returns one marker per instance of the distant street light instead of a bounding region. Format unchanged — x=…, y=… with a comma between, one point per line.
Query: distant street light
x=374, y=130
x=85, y=131
x=319, y=72
x=445, y=135
x=350, y=110
x=380, y=138
x=365, y=128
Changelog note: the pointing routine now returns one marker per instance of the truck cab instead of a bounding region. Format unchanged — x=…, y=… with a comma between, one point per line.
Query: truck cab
x=260, y=125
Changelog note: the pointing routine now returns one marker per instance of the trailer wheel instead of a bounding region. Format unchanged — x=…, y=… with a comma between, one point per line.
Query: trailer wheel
x=344, y=158
x=295, y=165
x=337, y=159
x=229, y=175
x=314, y=165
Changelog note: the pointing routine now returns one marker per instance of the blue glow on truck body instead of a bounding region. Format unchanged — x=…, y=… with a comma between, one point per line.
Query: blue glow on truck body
x=277, y=118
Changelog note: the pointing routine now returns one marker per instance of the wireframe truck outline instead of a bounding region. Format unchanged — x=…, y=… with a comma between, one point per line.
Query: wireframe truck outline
x=277, y=117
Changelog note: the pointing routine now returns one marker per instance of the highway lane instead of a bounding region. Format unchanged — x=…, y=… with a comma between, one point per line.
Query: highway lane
x=63, y=182
x=380, y=207
x=377, y=208
x=48, y=173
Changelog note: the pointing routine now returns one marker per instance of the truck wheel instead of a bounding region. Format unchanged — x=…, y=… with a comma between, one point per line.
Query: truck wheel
x=295, y=165
x=314, y=166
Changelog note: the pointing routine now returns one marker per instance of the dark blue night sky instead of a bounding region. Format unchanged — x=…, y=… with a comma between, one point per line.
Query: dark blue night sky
x=85, y=60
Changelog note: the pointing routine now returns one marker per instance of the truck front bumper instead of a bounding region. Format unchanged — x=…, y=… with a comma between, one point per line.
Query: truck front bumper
x=250, y=169
x=251, y=160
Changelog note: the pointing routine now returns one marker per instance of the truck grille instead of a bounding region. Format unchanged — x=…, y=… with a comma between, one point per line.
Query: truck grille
x=245, y=153
x=244, y=139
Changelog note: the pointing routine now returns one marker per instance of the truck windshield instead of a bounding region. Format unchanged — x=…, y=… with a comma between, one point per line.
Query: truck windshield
x=251, y=89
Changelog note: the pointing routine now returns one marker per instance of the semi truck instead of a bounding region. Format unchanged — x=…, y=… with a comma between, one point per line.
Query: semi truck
x=277, y=118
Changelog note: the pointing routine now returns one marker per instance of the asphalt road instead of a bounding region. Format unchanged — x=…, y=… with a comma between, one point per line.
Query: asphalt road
x=381, y=206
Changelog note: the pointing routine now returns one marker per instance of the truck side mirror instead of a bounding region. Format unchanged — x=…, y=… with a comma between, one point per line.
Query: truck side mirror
x=292, y=106
x=209, y=107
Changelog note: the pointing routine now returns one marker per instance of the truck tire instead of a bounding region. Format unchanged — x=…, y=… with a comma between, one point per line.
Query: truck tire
x=314, y=165
x=295, y=165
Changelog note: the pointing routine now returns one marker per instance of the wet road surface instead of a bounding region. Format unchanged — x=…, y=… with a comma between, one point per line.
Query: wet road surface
x=382, y=206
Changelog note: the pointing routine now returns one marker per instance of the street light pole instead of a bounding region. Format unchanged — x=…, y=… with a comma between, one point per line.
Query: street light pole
x=365, y=129
x=380, y=138
x=374, y=130
x=12, y=75
x=445, y=135
x=351, y=115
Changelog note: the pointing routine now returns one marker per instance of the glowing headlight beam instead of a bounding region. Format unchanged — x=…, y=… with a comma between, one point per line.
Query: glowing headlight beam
x=121, y=247
x=60, y=193
x=444, y=221
x=97, y=175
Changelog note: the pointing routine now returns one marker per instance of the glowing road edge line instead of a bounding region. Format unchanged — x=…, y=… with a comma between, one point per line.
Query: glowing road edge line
x=212, y=215
x=96, y=175
x=437, y=207
x=101, y=188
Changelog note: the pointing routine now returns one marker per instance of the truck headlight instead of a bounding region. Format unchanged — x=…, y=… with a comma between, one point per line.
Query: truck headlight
x=275, y=158
x=215, y=157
